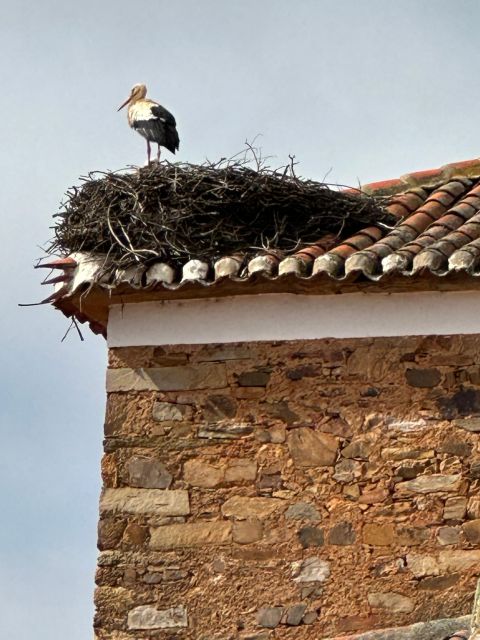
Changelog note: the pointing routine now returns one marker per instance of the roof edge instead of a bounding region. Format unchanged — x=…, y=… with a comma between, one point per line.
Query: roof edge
x=426, y=178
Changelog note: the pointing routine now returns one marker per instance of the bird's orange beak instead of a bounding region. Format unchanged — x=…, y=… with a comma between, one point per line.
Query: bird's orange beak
x=124, y=103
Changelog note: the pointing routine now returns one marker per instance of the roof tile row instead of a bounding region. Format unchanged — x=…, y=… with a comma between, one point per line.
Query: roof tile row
x=438, y=231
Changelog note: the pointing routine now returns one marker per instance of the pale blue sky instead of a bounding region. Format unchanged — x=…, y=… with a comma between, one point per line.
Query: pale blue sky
x=370, y=89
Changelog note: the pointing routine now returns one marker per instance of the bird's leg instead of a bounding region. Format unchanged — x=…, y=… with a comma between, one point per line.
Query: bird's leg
x=158, y=154
x=148, y=151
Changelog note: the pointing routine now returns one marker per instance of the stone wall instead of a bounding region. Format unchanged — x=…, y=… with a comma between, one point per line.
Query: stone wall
x=289, y=490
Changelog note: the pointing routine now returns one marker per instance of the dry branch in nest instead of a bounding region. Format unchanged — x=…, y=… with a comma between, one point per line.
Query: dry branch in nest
x=175, y=212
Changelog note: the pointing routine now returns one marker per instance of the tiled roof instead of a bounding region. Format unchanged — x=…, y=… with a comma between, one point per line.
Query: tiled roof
x=438, y=234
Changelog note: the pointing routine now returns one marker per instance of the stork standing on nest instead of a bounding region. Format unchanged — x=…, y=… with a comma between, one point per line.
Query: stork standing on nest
x=151, y=120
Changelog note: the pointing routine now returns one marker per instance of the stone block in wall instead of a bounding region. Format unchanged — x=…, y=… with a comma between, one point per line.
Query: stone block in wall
x=294, y=614
x=456, y=448
x=149, y=617
x=412, y=536
x=247, y=531
x=311, y=537
x=475, y=470
x=406, y=426
x=303, y=511
x=469, y=424
x=471, y=531
x=358, y=449
x=462, y=403
x=269, y=617
x=110, y=532
x=135, y=534
x=422, y=565
x=254, y=378
x=148, y=473
x=202, y=376
x=373, y=496
x=310, y=448
x=241, y=470
x=402, y=452
x=430, y=484
x=473, y=508
x=391, y=601
x=459, y=560
x=448, y=535
x=455, y=508
x=341, y=534
x=423, y=378
x=191, y=535
x=347, y=471
x=380, y=535
x=243, y=507
x=159, y=502
x=438, y=583
x=312, y=569
x=202, y=474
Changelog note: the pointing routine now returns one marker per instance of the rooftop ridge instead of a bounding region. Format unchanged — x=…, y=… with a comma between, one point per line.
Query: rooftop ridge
x=427, y=178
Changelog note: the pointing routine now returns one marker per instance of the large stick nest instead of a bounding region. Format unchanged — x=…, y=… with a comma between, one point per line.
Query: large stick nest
x=175, y=212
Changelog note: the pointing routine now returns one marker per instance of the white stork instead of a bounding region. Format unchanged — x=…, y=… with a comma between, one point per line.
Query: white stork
x=151, y=120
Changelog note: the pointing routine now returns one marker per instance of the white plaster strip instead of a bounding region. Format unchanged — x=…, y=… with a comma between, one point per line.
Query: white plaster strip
x=293, y=317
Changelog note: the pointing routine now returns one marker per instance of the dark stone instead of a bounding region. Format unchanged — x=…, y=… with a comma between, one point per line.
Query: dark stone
x=456, y=448
x=273, y=482
x=303, y=371
x=295, y=614
x=369, y=392
x=152, y=578
x=408, y=472
x=475, y=471
x=135, y=534
x=219, y=408
x=423, y=378
x=302, y=511
x=438, y=582
x=148, y=473
x=311, y=537
x=110, y=532
x=341, y=534
x=269, y=617
x=312, y=591
x=263, y=435
x=282, y=411
x=254, y=378
x=412, y=536
x=310, y=617
x=462, y=403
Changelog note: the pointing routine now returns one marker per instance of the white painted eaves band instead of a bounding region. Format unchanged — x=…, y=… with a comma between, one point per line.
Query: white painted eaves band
x=293, y=317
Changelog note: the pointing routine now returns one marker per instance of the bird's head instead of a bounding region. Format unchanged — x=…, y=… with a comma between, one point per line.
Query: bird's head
x=138, y=92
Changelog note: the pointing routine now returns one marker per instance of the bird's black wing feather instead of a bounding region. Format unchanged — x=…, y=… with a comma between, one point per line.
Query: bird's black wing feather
x=171, y=140
x=162, y=114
